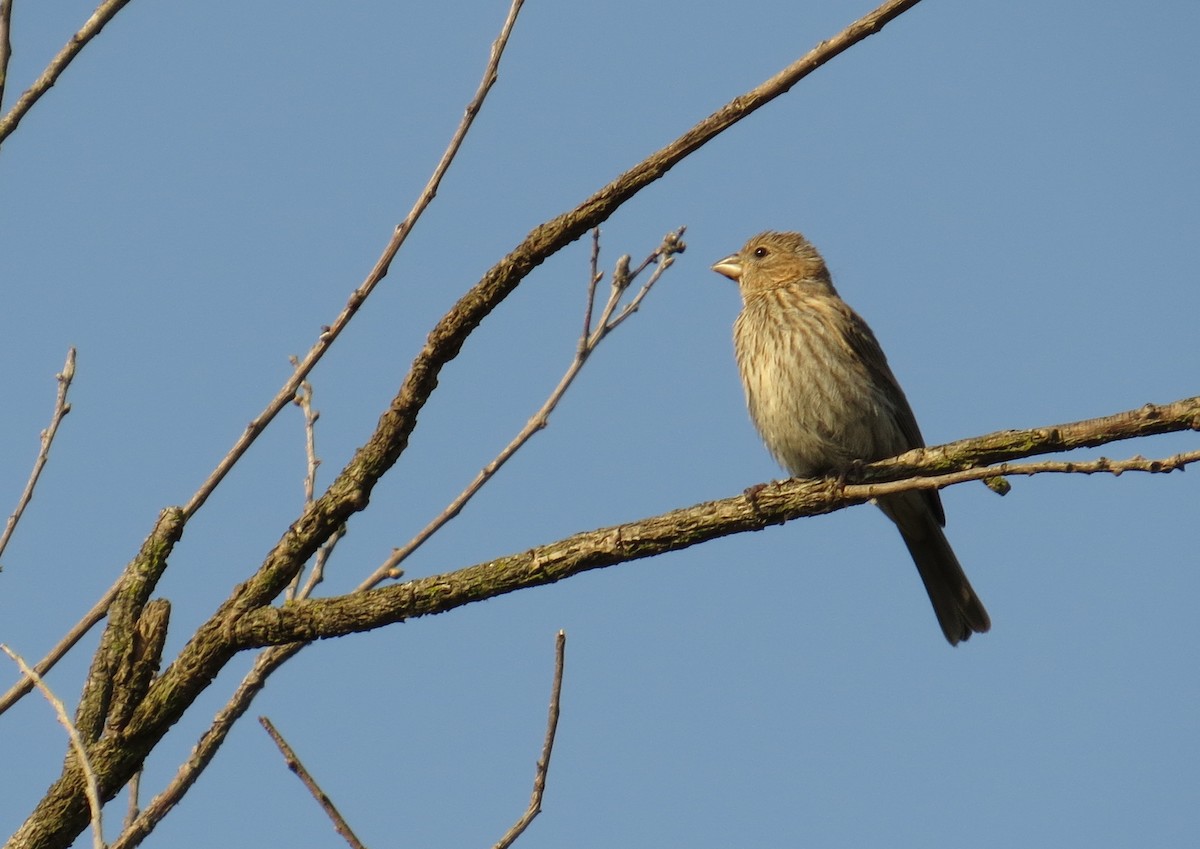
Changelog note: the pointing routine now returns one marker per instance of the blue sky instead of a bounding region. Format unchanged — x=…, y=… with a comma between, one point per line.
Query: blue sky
x=1006, y=191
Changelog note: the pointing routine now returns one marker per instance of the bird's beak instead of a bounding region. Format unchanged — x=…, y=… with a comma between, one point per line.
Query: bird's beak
x=731, y=267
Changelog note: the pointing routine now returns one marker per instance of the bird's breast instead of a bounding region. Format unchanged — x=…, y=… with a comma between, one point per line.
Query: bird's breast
x=810, y=397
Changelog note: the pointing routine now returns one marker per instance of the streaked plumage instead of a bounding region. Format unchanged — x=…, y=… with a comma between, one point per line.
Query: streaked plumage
x=822, y=396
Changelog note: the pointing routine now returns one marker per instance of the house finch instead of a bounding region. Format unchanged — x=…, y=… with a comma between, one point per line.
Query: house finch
x=822, y=397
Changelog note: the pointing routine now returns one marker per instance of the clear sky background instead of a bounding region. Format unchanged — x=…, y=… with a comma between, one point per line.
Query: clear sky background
x=1007, y=191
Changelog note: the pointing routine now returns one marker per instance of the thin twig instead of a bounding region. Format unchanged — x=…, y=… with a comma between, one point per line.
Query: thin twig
x=104, y=13
x=1103, y=465
x=5, y=43
x=91, y=788
x=665, y=258
x=61, y=408
x=23, y=687
x=360, y=295
x=294, y=764
x=594, y=278
x=285, y=395
x=589, y=339
x=543, y=765
x=303, y=400
x=317, y=573
x=322, y=557
x=131, y=812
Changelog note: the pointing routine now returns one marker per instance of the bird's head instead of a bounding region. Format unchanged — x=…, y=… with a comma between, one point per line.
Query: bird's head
x=775, y=260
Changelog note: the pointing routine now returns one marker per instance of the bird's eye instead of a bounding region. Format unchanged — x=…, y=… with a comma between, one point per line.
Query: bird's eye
x=760, y=252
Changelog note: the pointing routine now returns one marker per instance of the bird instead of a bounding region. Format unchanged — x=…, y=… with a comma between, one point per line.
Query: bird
x=823, y=398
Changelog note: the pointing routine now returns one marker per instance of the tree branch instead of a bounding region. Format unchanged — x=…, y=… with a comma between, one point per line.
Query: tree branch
x=543, y=764
x=61, y=408
x=359, y=296
x=5, y=43
x=271, y=659
x=294, y=764
x=78, y=749
x=136, y=584
x=206, y=748
x=104, y=13
x=936, y=467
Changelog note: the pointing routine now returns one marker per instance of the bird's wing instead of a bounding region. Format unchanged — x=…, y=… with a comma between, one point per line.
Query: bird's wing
x=869, y=352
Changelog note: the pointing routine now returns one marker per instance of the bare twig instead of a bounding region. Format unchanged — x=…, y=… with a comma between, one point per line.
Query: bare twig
x=131, y=812
x=593, y=281
x=328, y=335
x=5, y=43
x=20, y=689
x=1102, y=465
x=589, y=339
x=664, y=256
x=322, y=557
x=294, y=764
x=360, y=295
x=543, y=764
x=90, y=787
x=104, y=13
x=61, y=408
x=303, y=400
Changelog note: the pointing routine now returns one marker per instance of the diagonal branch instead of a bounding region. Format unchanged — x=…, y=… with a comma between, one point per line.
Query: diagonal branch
x=295, y=765
x=5, y=43
x=61, y=408
x=939, y=466
x=104, y=13
x=380, y=270
x=77, y=746
x=206, y=748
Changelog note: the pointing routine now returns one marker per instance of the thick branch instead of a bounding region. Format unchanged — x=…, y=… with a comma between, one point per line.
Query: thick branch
x=939, y=466
x=132, y=590
x=119, y=645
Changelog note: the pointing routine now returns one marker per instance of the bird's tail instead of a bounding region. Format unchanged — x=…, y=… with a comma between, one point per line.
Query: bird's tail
x=959, y=610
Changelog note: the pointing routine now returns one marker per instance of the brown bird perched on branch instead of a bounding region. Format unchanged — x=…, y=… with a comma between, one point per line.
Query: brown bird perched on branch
x=822, y=396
